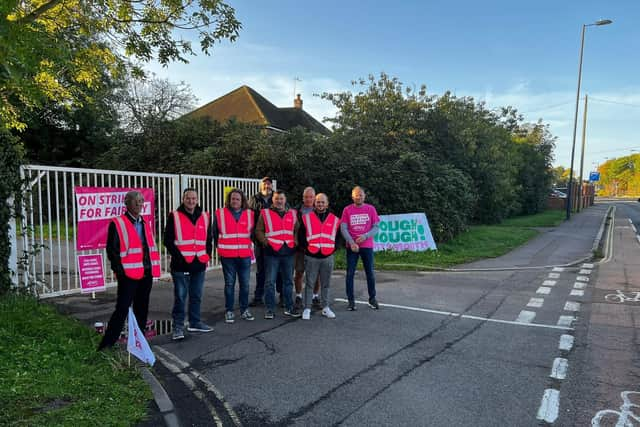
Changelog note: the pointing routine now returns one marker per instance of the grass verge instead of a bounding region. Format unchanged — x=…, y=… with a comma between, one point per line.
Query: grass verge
x=479, y=242
x=52, y=374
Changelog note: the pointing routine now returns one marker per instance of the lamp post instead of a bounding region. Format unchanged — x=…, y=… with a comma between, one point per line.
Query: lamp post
x=575, y=119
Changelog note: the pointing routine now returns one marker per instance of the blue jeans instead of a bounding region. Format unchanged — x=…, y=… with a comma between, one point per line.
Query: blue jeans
x=367, y=262
x=274, y=265
x=232, y=267
x=261, y=274
x=184, y=284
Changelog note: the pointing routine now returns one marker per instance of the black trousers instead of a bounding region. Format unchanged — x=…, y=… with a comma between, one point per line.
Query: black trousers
x=129, y=291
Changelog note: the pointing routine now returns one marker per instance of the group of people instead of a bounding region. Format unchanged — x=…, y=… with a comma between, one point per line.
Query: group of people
x=288, y=245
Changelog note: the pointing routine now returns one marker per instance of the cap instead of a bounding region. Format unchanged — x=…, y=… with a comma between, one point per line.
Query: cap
x=266, y=178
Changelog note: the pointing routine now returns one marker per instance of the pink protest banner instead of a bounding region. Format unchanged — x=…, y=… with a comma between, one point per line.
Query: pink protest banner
x=91, y=274
x=96, y=206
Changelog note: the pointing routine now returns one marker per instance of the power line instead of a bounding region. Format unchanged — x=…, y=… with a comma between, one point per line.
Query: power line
x=619, y=149
x=607, y=101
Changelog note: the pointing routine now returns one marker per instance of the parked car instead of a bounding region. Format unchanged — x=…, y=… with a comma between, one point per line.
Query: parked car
x=559, y=194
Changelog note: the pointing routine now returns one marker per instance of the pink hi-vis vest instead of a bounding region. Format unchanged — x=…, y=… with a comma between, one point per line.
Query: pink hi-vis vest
x=234, y=237
x=321, y=236
x=131, y=252
x=191, y=240
x=279, y=230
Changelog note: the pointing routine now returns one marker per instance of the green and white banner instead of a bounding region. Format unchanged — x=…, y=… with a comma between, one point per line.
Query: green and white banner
x=404, y=232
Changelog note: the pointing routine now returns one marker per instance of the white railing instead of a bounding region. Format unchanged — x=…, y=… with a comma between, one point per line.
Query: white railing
x=47, y=228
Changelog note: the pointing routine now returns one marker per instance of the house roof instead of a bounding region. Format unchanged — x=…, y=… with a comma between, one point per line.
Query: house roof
x=248, y=106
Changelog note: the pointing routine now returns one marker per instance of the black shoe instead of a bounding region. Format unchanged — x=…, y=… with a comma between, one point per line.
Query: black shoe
x=351, y=306
x=374, y=304
x=316, y=304
x=293, y=312
x=256, y=303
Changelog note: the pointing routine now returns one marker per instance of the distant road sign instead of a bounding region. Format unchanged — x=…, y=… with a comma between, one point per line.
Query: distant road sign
x=594, y=176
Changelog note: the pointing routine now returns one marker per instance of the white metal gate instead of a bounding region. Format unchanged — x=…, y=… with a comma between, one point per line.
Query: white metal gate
x=48, y=223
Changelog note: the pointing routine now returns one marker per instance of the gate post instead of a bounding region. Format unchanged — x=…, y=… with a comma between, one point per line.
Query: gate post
x=13, y=242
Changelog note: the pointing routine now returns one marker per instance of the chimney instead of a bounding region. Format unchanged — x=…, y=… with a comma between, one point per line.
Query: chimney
x=297, y=102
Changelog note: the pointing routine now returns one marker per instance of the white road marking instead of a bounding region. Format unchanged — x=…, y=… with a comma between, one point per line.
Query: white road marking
x=638, y=238
x=544, y=291
x=566, y=342
x=462, y=316
x=576, y=293
x=526, y=316
x=630, y=222
x=549, y=283
x=579, y=285
x=582, y=279
x=572, y=306
x=587, y=265
x=210, y=387
x=558, y=269
x=559, y=368
x=635, y=230
x=535, y=302
x=584, y=272
x=554, y=275
x=565, y=321
x=549, y=406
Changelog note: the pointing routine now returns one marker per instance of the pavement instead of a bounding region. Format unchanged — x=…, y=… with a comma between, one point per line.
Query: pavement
x=477, y=348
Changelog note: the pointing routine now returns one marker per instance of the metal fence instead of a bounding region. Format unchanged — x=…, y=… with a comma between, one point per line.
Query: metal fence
x=46, y=238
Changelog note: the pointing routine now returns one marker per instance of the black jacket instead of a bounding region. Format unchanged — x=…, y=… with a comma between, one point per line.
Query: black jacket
x=302, y=237
x=113, y=250
x=257, y=203
x=178, y=262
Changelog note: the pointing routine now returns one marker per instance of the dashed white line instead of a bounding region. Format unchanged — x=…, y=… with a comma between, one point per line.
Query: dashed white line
x=579, y=285
x=559, y=368
x=584, y=272
x=554, y=275
x=582, y=279
x=630, y=222
x=565, y=321
x=576, y=293
x=526, y=316
x=587, y=265
x=572, y=306
x=535, y=302
x=549, y=406
x=558, y=269
x=543, y=291
x=566, y=342
x=549, y=283
x=463, y=316
x=634, y=228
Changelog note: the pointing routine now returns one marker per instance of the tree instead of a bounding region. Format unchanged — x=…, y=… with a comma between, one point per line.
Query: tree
x=55, y=50
x=147, y=102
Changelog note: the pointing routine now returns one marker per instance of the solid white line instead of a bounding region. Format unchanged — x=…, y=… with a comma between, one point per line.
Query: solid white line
x=549, y=283
x=566, y=321
x=587, y=272
x=559, y=368
x=582, y=279
x=566, y=342
x=184, y=365
x=535, y=302
x=587, y=265
x=576, y=293
x=558, y=269
x=572, y=306
x=526, y=316
x=579, y=285
x=554, y=275
x=462, y=316
x=549, y=406
x=544, y=291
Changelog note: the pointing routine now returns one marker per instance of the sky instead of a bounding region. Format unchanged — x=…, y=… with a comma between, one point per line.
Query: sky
x=519, y=53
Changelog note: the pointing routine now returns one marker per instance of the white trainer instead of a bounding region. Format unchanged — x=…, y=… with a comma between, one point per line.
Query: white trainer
x=306, y=314
x=328, y=313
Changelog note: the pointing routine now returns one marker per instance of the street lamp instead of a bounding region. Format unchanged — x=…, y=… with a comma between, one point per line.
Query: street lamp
x=575, y=119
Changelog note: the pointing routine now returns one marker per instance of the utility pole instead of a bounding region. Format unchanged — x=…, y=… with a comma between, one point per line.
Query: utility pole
x=584, y=138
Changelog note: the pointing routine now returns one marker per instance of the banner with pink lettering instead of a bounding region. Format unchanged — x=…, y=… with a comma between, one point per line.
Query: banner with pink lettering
x=96, y=206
